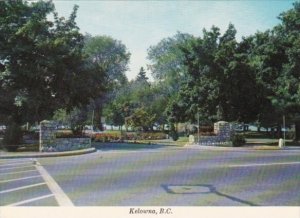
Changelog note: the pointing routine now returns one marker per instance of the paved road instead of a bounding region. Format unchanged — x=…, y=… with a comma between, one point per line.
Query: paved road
x=157, y=177
x=21, y=184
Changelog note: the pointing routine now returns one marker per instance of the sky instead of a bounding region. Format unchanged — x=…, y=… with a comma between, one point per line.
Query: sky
x=141, y=24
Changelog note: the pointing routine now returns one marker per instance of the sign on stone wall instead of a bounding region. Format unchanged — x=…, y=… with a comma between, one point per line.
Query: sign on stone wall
x=223, y=131
x=47, y=134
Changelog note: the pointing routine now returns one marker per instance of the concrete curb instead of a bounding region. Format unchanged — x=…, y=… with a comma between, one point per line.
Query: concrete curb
x=258, y=148
x=8, y=155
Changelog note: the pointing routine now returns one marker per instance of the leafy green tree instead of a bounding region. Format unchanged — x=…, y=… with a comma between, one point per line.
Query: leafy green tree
x=168, y=69
x=43, y=60
x=140, y=93
x=42, y=63
x=141, y=119
x=110, y=60
x=167, y=60
x=220, y=84
x=273, y=56
x=287, y=94
x=120, y=105
x=109, y=56
x=115, y=114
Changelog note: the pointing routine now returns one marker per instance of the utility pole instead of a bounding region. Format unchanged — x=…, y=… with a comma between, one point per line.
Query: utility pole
x=283, y=130
x=198, y=127
x=93, y=120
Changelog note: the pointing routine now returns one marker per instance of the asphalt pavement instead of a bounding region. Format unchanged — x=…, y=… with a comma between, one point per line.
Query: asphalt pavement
x=161, y=176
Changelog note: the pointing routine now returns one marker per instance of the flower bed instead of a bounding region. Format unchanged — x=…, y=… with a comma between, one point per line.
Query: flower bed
x=110, y=137
x=69, y=135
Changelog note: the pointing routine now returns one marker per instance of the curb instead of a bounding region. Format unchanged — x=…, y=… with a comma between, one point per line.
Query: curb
x=48, y=154
x=239, y=149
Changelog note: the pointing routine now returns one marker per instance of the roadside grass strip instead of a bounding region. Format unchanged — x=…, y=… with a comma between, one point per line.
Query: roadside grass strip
x=30, y=200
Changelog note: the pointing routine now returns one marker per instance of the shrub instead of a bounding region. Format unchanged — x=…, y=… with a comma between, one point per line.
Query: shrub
x=69, y=134
x=33, y=135
x=108, y=137
x=151, y=136
x=204, y=129
x=173, y=133
x=237, y=140
x=207, y=134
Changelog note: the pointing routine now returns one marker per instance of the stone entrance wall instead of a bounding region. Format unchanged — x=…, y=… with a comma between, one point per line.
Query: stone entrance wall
x=49, y=142
x=47, y=135
x=223, y=131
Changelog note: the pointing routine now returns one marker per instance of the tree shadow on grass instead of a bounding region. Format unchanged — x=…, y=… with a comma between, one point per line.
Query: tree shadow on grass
x=202, y=189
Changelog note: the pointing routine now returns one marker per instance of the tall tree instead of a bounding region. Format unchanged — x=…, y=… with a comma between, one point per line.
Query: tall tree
x=287, y=94
x=42, y=64
x=220, y=84
x=110, y=60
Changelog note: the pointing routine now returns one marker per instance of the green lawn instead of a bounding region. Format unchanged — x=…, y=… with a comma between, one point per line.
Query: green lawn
x=168, y=142
x=264, y=139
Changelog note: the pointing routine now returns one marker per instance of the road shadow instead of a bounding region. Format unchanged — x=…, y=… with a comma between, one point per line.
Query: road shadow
x=125, y=146
x=201, y=189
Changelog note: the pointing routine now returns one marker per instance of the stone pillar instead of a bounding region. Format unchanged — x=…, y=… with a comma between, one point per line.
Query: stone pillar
x=281, y=143
x=47, y=135
x=223, y=129
x=191, y=139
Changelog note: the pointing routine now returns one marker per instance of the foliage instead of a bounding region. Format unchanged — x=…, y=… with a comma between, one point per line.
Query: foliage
x=42, y=65
x=109, y=58
x=237, y=140
x=167, y=61
x=255, y=80
x=61, y=116
x=173, y=132
x=142, y=98
x=110, y=137
x=141, y=119
x=12, y=137
x=68, y=134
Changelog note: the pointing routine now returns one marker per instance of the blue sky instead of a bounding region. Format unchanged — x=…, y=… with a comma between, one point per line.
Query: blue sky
x=140, y=24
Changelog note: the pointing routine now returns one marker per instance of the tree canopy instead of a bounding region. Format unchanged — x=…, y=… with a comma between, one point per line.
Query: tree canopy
x=42, y=64
x=47, y=65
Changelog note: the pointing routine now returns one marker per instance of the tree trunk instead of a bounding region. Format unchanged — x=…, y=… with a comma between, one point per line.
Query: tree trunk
x=279, y=131
x=297, y=131
x=272, y=132
x=258, y=129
